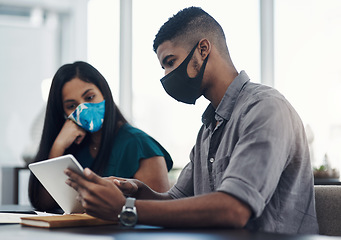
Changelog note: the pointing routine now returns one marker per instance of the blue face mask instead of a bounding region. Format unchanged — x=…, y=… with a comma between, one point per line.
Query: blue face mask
x=89, y=116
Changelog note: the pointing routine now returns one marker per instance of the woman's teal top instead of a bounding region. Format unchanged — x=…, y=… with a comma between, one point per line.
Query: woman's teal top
x=130, y=146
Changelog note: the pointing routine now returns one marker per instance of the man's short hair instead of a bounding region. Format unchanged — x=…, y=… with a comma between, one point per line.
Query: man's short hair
x=189, y=26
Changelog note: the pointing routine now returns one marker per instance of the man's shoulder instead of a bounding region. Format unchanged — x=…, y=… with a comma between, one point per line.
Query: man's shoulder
x=261, y=90
x=255, y=93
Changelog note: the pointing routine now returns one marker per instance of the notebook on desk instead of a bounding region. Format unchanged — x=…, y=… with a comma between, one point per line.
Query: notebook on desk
x=13, y=213
x=51, y=175
x=66, y=220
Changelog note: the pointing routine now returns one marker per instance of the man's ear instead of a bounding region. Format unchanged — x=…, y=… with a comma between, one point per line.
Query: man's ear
x=204, y=47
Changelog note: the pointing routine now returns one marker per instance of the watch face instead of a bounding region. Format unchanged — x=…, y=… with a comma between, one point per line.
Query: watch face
x=128, y=218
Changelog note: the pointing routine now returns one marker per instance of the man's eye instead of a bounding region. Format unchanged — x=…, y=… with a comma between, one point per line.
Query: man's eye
x=171, y=63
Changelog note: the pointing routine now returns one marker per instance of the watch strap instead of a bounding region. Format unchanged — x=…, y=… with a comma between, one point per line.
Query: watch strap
x=130, y=202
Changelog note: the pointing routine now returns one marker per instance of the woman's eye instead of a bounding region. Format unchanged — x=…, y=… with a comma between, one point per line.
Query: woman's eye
x=90, y=97
x=71, y=106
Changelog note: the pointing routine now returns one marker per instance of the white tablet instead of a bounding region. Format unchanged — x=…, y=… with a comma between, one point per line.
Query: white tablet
x=51, y=175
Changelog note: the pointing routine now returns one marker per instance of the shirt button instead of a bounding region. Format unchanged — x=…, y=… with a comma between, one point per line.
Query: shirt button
x=212, y=160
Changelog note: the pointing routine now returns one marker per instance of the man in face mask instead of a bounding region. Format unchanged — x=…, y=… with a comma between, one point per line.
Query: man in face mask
x=181, y=86
x=250, y=165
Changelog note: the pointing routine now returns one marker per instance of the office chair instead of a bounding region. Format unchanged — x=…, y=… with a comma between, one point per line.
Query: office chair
x=328, y=209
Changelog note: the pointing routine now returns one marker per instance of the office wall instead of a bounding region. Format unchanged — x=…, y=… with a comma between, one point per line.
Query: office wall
x=28, y=55
x=36, y=38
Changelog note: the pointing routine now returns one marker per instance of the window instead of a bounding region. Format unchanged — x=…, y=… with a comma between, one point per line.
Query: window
x=308, y=72
x=172, y=123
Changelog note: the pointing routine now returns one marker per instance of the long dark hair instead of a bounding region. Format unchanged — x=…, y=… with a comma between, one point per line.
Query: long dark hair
x=54, y=117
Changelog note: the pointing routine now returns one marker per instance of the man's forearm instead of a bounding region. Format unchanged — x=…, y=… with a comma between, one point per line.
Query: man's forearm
x=211, y=210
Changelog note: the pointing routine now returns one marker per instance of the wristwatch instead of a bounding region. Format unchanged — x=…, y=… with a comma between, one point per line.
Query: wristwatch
x=128, y=216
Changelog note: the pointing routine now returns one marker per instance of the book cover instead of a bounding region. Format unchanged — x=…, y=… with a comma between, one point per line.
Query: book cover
x=66, y=220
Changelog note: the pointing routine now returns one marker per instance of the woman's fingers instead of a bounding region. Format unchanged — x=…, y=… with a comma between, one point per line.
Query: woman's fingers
x=79, y=138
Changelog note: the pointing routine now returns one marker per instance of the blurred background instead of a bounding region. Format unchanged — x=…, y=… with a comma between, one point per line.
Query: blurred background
x=292, y=45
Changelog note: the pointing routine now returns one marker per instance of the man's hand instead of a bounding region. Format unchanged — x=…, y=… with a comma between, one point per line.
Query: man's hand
x=137, y=189
x=129, y=187
x=100, y=197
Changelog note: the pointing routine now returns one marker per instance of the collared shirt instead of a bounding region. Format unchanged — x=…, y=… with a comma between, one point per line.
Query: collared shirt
x=254, y=147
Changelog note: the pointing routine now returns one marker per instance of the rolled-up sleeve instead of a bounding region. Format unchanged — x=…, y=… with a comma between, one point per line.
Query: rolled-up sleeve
x=260, y=154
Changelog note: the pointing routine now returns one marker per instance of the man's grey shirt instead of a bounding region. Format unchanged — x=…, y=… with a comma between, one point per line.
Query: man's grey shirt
x=254, y=147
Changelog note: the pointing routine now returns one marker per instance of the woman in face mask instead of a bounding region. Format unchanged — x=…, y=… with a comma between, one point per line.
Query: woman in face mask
x=82, y=119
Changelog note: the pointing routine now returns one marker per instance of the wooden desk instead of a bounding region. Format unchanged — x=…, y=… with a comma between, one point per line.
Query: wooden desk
x=141, y=232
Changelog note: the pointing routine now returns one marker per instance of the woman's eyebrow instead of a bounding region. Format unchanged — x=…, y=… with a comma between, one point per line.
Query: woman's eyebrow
x=86, y=92
x=69, y=100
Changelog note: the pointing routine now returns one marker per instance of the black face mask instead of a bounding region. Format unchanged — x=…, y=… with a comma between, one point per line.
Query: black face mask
x=182, y=87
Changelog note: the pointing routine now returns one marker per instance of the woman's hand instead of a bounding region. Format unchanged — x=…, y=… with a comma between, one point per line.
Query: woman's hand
x=69, y=134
